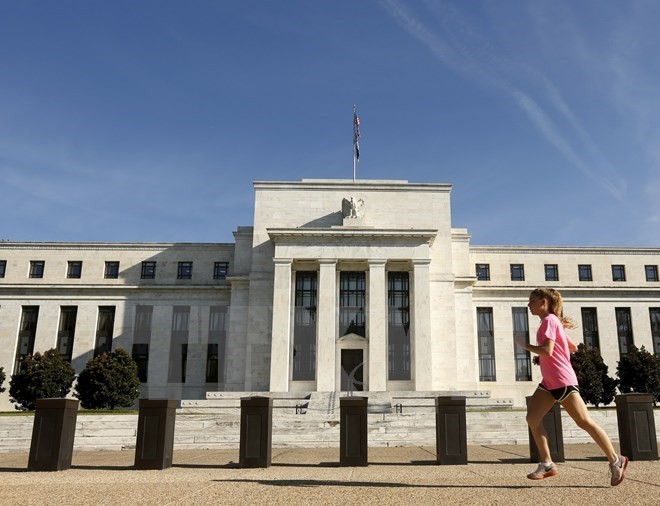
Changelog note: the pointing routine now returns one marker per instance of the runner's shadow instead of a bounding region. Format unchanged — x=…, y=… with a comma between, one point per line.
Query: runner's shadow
x=337, y=483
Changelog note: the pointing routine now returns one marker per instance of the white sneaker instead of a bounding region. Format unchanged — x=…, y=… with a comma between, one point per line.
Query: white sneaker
x=619, y=471
x=543, y=471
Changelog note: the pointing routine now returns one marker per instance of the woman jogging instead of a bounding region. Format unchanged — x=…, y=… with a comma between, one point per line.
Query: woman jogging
x=559, y=384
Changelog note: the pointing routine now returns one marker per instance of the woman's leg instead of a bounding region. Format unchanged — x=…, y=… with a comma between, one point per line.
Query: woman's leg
x=537, y=407
x=575, y=407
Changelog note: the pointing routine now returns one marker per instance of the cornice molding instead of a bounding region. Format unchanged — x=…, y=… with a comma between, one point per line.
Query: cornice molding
x=564, y=250
x=351, y=186
x=106, y=246
x=278, y=235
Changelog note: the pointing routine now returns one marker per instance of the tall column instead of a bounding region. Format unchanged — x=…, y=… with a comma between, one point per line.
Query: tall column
x=326, y=310
x=422, y=325
x=377, y=318
x=280, y=345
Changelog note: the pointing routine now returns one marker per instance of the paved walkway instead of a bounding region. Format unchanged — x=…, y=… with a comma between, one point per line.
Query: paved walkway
x=494, y=475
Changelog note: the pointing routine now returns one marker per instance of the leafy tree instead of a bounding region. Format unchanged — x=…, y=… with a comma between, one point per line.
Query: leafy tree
x=639, y=371
x=40, y=377
x=2, y=379
x=596, y=387
x=109, y=381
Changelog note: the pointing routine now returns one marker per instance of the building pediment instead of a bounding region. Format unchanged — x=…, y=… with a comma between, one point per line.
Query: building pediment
x=351, y=339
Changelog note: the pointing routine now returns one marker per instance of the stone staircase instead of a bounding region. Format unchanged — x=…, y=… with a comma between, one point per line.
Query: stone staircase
x=312, y=420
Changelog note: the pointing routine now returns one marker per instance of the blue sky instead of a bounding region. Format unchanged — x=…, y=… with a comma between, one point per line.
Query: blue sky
x=149, y=120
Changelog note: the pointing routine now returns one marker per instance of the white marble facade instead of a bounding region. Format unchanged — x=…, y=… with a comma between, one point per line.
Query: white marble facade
x=237, y=301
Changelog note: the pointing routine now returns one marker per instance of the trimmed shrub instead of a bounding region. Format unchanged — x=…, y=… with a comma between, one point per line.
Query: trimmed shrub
x=2, y=379
x=596, y=387
x=109, y=381
x=40, y=377
x=639, y=371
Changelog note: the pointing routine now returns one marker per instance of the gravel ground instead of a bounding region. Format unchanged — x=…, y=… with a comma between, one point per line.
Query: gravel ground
x=494, y=475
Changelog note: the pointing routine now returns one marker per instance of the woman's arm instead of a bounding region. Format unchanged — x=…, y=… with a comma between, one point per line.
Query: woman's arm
x=544, y=351
x=572, y=347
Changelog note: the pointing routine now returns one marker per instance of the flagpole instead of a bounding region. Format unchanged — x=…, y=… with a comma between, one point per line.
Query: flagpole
x=354, y=140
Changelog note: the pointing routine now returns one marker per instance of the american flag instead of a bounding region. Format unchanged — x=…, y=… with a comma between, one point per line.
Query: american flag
x=356, y=133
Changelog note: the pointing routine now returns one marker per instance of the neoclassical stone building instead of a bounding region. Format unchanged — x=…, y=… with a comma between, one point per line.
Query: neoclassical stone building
x=338, y=285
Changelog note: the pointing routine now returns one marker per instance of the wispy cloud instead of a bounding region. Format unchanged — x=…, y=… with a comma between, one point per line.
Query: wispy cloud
x=473, y=56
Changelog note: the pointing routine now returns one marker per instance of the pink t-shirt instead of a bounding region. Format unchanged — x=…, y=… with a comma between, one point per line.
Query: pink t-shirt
x=556, y=369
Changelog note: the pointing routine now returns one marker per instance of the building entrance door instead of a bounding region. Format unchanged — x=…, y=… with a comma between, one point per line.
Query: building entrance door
x=352, y=370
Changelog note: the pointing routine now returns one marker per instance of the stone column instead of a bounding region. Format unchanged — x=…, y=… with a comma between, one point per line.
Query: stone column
x=280, y=362
x=326, y=333
x=422, y=325
x=376, y=321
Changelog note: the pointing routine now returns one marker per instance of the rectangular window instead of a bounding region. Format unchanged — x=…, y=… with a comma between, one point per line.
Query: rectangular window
x=148, y=270
x=3, y=268
x=651, y=272
x=111, y=270
x=212, y=371
x=618, y=273
x=551, y=272
x=184, y=361
x=590, y=327
x=624, y=329
x=521, y=330
x=304, y=329
x=220, y=270
x=517, y=272
x=215, y=356
x=654, y=312
x=143, y=316
x=483, y=272
x=66, y=331
x=486, y=338
x=352, y=299
x=179, y=344
x=398, y=326
x=26, y=333
x=142, y=339
x=104, y=330
x=584, y=272
x=141, y=356
x=37, y=268
x=185, y=270
x=74, y=269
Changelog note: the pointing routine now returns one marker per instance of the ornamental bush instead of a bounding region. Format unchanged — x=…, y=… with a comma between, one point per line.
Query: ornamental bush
x=109, y=381
x=596, y=387
x=639, y=371
x=40, y=377
x=2, y=379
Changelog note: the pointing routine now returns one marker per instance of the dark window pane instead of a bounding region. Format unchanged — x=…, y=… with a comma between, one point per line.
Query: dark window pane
x=185, y=270
x=486, y=344
x=74, y=270
x=111, y=270
x=483, y=272
x=651, y=272
x=551, y=272
x=304, y=330
x=37, y=269
x=220, y=270
x=618, y=273
x=352, y=300
x=584, y=272
x=148, y=270
x=521, y=330
x=517, y=272
x=624, y=329
x=590, y=327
